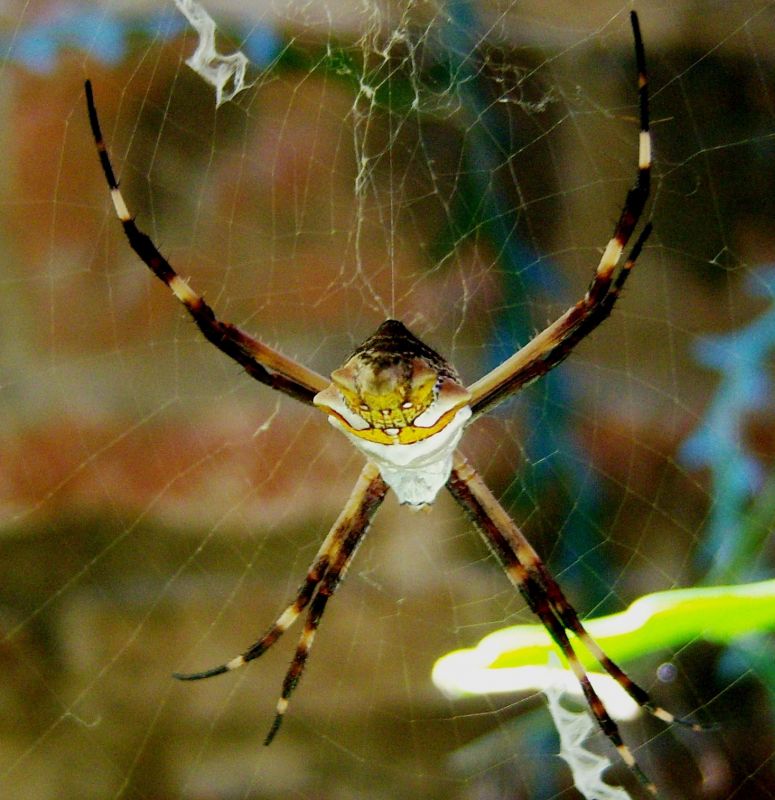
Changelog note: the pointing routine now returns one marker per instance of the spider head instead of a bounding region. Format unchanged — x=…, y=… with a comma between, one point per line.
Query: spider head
x=393, y=389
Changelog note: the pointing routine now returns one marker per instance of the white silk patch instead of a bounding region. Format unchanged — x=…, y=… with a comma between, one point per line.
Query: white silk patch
x=415, y=472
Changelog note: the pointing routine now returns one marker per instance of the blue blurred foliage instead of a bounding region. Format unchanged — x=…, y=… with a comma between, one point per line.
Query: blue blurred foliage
x=262, y=45
x=743, y=494
x=718, y=444
x=38, y=46
x=105, y=36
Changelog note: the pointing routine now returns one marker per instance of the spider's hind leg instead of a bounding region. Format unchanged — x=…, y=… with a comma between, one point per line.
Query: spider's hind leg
x=570, y=621
x=323, y=577
x=545, y=598
x=282, y=623
x=334, y=575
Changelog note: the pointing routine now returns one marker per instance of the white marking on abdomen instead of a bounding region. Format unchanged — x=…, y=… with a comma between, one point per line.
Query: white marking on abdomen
x=417, y=471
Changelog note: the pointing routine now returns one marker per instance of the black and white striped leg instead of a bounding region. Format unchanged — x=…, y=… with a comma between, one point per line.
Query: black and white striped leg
x=259, y=360
x=333, y=577
x=546, y=350
x=323, y=576
x=545, y=598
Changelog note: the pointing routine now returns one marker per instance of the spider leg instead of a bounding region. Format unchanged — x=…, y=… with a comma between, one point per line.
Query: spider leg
x=324, y=575
x=545, y=598
x=260, y=361
x=315, y=574
x=570, y=620
x=553, y=344
x=334, y=575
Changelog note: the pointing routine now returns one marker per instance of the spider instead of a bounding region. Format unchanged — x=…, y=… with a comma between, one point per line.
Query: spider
x=405, y=408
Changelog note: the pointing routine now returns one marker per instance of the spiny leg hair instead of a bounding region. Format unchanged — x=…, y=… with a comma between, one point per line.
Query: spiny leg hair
x=323, y=576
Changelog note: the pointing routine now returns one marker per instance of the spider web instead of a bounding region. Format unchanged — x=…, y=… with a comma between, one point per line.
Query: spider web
x=459, y=167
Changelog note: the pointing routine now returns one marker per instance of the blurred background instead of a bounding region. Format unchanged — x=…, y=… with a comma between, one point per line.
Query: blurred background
x=457, y=166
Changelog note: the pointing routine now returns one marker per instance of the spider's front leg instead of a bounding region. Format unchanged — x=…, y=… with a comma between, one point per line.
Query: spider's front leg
x=546, y=350
x=323, y=576
x=259, y=360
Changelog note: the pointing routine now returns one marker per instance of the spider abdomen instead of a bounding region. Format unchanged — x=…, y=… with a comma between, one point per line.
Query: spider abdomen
x=416, y=472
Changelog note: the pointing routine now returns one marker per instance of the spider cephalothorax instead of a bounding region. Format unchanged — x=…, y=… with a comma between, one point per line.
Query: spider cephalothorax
x=394, y=389
x=404, y=407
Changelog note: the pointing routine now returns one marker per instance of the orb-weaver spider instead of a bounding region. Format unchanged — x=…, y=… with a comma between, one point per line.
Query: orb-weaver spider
x=404, y=406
